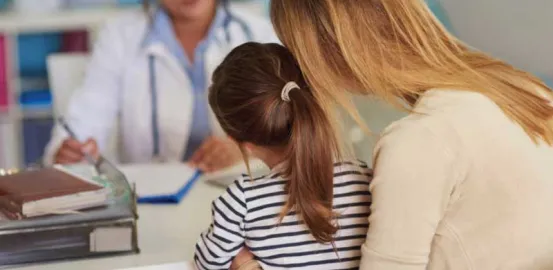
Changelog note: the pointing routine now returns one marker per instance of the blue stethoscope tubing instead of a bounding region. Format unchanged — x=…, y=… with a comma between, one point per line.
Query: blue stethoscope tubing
x=153, y=78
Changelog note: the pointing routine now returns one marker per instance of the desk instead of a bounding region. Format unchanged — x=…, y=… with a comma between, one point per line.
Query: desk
x=166, y=234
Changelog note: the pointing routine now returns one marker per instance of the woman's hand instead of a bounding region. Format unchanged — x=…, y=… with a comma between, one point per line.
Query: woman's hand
x=243, y=257
x=215, y=153
x=73, y=151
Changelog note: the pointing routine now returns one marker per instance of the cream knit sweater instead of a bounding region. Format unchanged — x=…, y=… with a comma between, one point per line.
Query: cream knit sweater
x=460, y=186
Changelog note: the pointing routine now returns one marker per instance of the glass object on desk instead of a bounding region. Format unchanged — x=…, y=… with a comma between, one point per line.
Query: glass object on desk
x=4, y=172
x=104, y=230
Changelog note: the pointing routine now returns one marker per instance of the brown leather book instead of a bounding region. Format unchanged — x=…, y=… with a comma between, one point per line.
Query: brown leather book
x=18, y=190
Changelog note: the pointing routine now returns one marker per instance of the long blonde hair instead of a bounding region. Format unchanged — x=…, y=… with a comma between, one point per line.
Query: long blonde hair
x=396, y=50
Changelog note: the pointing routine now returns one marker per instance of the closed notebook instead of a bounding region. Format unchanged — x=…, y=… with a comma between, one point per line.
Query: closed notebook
x=48, y=191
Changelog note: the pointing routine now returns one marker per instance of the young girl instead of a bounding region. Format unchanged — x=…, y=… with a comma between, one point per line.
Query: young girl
x=309, y=212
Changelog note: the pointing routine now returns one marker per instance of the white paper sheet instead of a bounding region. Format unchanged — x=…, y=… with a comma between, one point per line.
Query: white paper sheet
x=111, y=239
x=157, y=179
x=170, y=266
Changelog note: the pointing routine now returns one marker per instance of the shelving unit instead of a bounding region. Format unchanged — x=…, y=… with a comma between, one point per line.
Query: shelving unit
x=14, y=24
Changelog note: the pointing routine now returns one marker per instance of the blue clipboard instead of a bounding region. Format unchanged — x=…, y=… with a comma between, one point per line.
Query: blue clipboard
x=174, y=198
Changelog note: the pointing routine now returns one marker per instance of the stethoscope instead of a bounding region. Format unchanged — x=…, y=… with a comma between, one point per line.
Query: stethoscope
x=229, y=18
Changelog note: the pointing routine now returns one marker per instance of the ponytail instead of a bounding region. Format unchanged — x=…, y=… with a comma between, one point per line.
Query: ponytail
x=260, y=97
x=310, y=167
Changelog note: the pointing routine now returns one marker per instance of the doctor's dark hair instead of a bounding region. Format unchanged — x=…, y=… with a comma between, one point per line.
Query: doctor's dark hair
x=246, y=98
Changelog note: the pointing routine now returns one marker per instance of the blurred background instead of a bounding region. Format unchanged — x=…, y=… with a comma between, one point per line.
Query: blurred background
x=32, y=30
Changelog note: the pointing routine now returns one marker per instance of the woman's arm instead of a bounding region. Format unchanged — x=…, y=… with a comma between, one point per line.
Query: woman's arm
x=93, y=107
x=415, y=172
x=224, y=239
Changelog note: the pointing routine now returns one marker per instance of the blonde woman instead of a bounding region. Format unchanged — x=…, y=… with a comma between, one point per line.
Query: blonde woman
x=466, y=180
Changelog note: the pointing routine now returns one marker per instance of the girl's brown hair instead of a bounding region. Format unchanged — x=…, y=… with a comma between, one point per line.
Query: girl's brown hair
x=396, y=50
x=246, y=98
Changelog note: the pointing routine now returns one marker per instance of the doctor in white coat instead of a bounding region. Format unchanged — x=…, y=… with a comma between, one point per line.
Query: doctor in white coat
x=151, y=71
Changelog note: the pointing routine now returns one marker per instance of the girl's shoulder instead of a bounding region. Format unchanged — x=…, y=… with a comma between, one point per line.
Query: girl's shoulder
x=352, y=164
x=352, y=172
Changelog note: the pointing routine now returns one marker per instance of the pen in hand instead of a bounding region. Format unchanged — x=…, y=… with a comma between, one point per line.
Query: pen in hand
x=72, y=134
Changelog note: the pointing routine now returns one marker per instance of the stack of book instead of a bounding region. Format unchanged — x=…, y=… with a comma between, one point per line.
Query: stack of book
x=60, y=213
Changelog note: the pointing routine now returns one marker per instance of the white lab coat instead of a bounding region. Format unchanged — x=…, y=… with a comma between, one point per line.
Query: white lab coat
x=116, y=89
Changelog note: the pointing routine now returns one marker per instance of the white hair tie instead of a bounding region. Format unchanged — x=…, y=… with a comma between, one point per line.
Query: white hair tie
x=286, y=90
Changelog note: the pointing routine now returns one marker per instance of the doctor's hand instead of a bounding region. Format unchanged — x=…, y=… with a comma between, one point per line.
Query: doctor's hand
x=72, y=151
x=215, y=153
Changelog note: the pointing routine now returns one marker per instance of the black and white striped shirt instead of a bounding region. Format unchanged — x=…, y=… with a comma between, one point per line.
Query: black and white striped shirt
x=247, y=215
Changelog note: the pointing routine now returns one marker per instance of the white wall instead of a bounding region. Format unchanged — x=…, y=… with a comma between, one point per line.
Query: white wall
x=518, y=31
